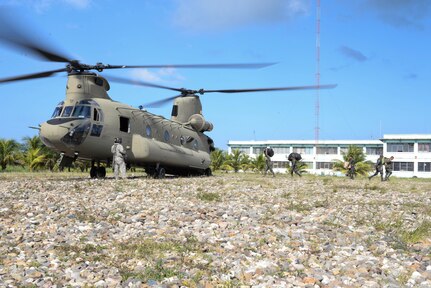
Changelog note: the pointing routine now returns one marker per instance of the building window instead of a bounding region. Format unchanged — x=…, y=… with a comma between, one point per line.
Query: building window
x=245, y=150
x=309, y=165
x=400, y=147
x=374, y=150
x=258, y=150
x=403, y=166
x=324, y=165
x=327, y=150
x=344, y=150
x=281, y=150
x=424, y=147
x=424, y=166
x=279, y=164
x=303, y=150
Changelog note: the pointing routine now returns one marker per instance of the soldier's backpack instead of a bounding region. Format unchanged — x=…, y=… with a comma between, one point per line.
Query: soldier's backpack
x=269, y=152
x=295, y=156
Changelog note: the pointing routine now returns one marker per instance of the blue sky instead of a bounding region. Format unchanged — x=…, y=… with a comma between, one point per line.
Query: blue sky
x=376, y=51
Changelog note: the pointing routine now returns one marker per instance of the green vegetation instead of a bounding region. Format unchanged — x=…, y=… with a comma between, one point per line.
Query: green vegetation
x=209, y=196
x=362, y=167
x=31, y=155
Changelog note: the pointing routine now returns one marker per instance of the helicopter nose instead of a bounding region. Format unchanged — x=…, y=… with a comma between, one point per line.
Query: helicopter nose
x=51, y=134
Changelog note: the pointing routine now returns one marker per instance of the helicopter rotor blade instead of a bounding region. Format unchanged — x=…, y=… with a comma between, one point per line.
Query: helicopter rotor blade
x=140, y=83
x=159, y=103
x=12, y=35
x=32, y=76
x=215, y=66
x=310, y=87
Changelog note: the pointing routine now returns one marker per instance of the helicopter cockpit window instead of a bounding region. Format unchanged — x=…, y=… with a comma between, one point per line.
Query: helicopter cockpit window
x=82, y=111
x=195, y=144
x=67, y=111
x=57, y=110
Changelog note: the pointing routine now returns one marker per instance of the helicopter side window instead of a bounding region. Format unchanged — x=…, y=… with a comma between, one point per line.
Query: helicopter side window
x=166, y=136
x=148, y=130
x=67, y=111
x=124, y=124
x=82, y=111
x=174, y=110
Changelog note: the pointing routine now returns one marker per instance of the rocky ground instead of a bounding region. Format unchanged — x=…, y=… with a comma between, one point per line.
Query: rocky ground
x=222, y=231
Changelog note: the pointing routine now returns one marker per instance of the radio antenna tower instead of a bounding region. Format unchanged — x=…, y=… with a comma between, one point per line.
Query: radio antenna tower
x=317, y=103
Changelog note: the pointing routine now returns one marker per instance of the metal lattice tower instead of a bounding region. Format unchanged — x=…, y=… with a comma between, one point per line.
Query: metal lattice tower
x=317, y=103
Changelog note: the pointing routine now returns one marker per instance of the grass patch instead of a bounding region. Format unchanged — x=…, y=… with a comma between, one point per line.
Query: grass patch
x=157, y=272
x=209, y=196
x=422, y=232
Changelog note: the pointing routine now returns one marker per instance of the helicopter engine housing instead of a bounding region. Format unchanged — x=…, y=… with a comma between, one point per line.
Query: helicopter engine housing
x=198, y=122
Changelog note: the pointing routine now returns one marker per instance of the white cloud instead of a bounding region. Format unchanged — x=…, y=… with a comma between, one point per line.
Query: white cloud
x=80, y=4
x=166, y=75
x=41, y=6
x=202, y=15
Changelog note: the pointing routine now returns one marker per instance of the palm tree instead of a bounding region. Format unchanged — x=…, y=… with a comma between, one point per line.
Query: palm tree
x=362, y=167
x=258, y=163
x=237, y=160
x=217, y=159
x=9, y=153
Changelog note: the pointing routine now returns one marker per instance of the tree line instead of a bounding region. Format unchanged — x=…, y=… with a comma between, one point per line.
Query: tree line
x=33, y=155
x=239, y=161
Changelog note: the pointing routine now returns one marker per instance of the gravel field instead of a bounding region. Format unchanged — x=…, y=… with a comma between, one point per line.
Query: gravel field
x=230, y=230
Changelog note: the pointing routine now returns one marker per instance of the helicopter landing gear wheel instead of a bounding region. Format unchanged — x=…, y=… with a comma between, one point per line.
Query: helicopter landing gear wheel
x=101, y=172
x=97, y=172
x=208, y=172
x=93, y=172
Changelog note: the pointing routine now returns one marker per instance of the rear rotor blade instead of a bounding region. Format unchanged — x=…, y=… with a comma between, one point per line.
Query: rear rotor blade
x=157, y=104
x=12, y=34
x=31, y=76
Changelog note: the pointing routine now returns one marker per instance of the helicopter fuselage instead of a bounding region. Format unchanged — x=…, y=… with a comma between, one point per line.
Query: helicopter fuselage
x=85, y=124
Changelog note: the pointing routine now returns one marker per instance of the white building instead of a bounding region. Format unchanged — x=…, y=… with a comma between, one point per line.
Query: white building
x=412, y=152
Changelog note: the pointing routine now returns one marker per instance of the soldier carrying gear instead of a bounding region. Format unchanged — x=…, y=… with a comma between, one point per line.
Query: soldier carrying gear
x=294, y=158
x=268, y=152
x=118, y=158
x=379, y=168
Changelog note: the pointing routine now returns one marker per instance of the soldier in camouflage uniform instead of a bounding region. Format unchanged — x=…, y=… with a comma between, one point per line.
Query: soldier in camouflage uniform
x=379, y=168
x=268, y=163
x=388, y=167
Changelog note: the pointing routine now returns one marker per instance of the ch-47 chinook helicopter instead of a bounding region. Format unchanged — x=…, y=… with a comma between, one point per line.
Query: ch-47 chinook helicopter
x=85, y=123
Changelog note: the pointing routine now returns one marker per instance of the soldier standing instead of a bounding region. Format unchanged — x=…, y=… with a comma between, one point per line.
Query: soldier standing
x=351, y=168
x=268, y=152
x=379, y=168
x=118, y=160
x=388, y=167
